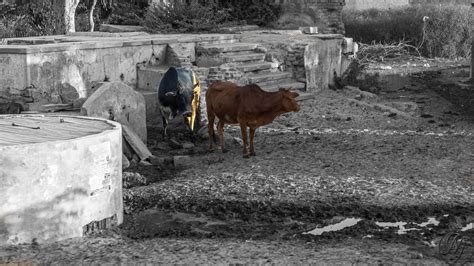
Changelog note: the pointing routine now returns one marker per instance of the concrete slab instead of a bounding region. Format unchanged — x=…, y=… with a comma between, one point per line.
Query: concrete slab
x=227, y=47
x=255, y=67
x=244, y=58
x=119, y=102
x=269, y=76
x=120, y=28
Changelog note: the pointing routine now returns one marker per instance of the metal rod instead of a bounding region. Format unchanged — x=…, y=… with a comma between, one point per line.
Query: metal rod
x=17, y=125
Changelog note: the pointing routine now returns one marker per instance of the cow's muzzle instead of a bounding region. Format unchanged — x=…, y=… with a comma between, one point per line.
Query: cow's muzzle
x=187, y=114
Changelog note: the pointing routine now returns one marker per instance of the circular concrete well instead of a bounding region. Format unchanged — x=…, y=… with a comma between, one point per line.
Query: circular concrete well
x=60, y=177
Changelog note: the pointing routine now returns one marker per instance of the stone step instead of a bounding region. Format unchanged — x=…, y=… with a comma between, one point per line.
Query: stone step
x=287, y=84
x=239, y=28
x=223, y=41
x=228, y=47
x=303, y=96
x=238, y=53
x=266, y=77
x=255, y=67
x=253, y=57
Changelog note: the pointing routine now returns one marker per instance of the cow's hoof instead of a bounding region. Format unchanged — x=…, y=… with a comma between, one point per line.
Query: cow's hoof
x=253, y=154
x=210, y=150
x=246, y=156
x=225, y=150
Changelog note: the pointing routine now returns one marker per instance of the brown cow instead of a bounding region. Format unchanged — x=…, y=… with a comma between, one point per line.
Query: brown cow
x=248, y=106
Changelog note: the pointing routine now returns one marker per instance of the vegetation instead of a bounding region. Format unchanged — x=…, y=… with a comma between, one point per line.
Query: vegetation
x=198, y=16
x=181, y=17
x=32, y=19
x=436, y=30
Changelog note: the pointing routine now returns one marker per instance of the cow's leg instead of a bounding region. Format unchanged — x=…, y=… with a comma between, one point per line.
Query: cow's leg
x=165, y=123
x=243, y=129
x=210, y=129
x=252, y=134
x=192, y=135
x=220, y=130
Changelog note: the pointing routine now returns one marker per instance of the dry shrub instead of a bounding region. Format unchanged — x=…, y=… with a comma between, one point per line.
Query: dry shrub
x=123, y=13
x=446, y=32
x=259, y=12
x=182, y=17
x=205, y=16
x=378, y=52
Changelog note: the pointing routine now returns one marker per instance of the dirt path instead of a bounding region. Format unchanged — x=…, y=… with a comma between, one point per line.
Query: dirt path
x=403, y=155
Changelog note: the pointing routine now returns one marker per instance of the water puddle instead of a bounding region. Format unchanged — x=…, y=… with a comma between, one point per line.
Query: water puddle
x=376, y=132
x=468, y=227
x=401, y=227
x=402, y=230
x=431, y=220
x=348, y=222
x=335, y=227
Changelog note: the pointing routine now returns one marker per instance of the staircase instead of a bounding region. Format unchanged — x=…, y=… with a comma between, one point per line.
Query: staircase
x=251, y=61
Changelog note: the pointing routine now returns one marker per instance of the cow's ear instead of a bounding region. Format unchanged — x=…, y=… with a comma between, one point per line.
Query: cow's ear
x=294, y=94
x=170, y=94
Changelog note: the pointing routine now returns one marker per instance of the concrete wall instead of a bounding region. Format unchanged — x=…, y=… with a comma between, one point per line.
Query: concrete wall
x=41, y=71
x=45, y=196
x=50, y=69
x=379, y=4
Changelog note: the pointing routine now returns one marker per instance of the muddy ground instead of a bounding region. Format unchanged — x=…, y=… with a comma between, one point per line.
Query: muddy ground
x=403, y=152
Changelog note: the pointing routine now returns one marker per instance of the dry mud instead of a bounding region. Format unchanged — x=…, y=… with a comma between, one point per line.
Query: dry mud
x=346, y=154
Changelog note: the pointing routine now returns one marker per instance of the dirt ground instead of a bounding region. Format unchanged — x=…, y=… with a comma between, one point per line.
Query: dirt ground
x=401, y=153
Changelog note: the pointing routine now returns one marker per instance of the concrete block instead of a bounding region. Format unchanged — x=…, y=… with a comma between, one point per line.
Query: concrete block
x=120, y=28
x=309, y=30
x=322, y=60
x=152, y=108
x=148, y=78
x=161, y=160
x=117, y=101
x=182, y=161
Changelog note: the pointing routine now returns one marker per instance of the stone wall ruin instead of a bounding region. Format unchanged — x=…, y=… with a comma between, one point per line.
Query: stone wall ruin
x=324, y=14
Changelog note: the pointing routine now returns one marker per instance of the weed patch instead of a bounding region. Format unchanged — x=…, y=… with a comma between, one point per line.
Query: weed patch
x=436, y=30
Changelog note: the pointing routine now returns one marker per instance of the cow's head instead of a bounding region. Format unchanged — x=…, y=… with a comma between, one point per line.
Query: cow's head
x=182, y=101
x=289, y=102
x=187, y=101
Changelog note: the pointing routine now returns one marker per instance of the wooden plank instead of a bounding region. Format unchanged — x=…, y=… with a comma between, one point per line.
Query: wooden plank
x=56, y=107
x=135, y=142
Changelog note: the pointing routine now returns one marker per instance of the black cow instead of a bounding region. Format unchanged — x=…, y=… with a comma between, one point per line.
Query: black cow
x=178, y=94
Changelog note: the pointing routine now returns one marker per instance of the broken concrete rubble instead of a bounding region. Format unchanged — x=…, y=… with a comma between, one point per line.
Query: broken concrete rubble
x=119, y=102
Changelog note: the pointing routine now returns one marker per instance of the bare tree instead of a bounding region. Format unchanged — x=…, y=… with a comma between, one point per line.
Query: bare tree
x=91, y=15
x=67, y=9
x=107, y=4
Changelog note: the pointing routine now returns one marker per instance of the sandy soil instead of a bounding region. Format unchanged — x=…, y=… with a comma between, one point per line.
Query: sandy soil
x=404, y=154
